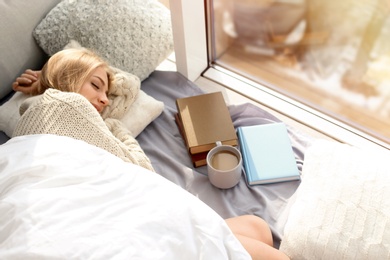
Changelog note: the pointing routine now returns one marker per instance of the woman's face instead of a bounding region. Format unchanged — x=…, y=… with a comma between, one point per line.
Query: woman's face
x=95, y=89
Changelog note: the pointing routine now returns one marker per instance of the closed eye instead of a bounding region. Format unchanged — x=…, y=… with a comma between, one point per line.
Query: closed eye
x=95, y=85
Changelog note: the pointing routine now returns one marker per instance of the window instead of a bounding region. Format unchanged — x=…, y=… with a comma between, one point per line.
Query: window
x=333, y=56
x=325, y=66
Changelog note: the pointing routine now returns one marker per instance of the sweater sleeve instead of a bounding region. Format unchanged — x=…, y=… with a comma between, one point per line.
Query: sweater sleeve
x=129, y=143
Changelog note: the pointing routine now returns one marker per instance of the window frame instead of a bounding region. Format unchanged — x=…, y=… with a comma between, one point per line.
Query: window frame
x=191, y=54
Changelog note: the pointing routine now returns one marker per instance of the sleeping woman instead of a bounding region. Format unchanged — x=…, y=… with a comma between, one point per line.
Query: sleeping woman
x=74, y=84
x=73, y=89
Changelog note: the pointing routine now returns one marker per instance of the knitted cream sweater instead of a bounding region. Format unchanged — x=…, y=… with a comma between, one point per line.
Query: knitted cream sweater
x=72, y=115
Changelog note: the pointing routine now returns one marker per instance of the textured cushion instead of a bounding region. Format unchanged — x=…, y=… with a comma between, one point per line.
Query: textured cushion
x=342, y=208
x=18, y=49
x=133, y=35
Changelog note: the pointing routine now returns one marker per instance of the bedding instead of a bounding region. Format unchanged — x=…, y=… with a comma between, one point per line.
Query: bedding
x=62, y=198
x=49, y=183
x=342, y=208
x=163, y=144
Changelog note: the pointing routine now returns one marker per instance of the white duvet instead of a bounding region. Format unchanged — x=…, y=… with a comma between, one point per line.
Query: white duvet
x=62, y=198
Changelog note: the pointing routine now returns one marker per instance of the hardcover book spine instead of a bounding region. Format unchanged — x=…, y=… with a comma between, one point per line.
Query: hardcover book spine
x=244, y=153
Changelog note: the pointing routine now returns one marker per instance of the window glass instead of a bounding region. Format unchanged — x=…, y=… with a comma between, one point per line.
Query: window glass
x=332, y=55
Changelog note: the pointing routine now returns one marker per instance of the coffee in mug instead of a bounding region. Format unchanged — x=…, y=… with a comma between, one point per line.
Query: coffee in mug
x=224, y=164
x=224, y=160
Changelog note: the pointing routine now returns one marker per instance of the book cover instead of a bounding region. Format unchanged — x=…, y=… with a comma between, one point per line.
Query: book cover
x=198, y=159
x=206, y=120
x=267, y=153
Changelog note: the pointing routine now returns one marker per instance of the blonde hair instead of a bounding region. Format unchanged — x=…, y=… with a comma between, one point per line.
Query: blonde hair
x=67, y=70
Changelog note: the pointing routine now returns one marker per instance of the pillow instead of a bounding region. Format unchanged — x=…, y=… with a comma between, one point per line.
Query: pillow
x=143, y=111
x=19, y=51
x=132, y=35
x=9, y=113
x=342, y=208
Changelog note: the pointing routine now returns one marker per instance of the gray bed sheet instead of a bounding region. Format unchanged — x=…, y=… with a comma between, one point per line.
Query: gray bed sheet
x=164, y=145
x=166, y=149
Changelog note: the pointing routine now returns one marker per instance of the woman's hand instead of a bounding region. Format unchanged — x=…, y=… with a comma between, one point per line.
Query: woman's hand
x=28, y=82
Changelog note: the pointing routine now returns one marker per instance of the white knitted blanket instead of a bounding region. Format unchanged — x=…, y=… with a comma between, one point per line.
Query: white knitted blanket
x=342, y=208
x=72, y=115
x=123, y=92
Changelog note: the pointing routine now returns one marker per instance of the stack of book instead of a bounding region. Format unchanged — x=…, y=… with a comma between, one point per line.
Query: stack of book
x=203, y=120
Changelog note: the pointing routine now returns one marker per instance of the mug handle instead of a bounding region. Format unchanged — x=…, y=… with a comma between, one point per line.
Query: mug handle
x=218, y=143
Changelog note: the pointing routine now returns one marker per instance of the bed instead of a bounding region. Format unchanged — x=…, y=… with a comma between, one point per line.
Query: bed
x=65, y=199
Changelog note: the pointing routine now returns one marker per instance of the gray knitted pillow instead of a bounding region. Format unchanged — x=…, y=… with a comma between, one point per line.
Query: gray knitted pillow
x=133, y=35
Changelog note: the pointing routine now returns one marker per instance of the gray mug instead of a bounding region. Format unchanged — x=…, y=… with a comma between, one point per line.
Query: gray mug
x=224, y=164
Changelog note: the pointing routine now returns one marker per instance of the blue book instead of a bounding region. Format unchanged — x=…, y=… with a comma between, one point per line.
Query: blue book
x=267, y=154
